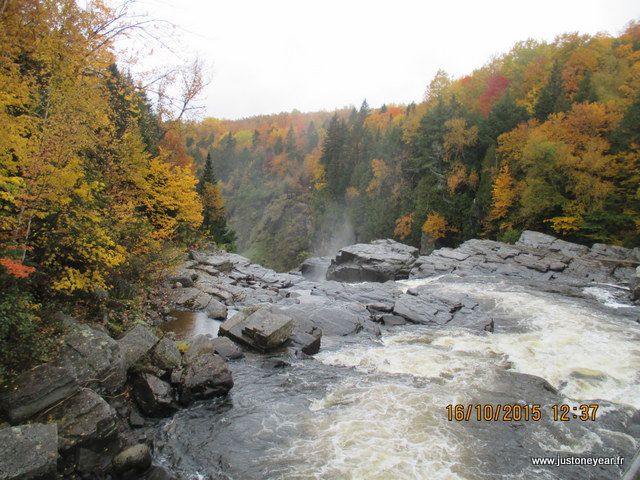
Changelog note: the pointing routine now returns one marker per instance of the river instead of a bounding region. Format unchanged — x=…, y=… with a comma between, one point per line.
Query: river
x=363, y=409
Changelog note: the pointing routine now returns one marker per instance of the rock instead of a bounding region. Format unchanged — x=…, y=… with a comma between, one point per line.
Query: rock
x=261, y=329
x=165, y=354
x=634, y=286
x=216, y=309
x=36, y=390
x=158, y=473
x=489, y=327
x=205, y=376
x=226, y=348
x=28, y=452
x=93, y=357
x=330, y=317
x=306, y=337
x=136, y=458
x=85, y=419
x=198, y=345
x=190, y=298
x=222, y=263
x=390, y=320
x=378, y=261
x=135, y=419
x=315, y=268
x=416, y=309
x=136, y=343
x=153, y=395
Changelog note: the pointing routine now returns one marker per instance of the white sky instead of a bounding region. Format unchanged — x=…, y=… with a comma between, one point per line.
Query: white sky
x=269, y=56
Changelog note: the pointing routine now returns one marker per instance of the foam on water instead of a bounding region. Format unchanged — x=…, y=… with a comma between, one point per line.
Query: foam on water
x=380, y=425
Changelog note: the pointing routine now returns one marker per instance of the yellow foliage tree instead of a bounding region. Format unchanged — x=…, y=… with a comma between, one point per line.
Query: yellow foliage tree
x=404, y=224
x=436, y=226
x=503, y=193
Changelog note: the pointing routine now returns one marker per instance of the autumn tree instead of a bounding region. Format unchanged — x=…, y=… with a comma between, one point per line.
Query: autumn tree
x=214, y=222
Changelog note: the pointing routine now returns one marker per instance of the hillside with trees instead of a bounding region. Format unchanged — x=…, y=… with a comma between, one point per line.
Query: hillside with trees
x=544, y=137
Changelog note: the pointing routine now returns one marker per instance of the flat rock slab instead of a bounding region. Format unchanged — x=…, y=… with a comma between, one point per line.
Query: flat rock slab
x=262, y=328
x=36, y=390
x=85, y=419
x=226, y=348
x=28, y=452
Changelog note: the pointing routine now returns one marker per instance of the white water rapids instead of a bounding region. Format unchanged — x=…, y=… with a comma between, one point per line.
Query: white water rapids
x=389, y=421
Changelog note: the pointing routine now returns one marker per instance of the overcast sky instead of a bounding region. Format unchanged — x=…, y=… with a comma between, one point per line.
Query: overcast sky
x=269, y=56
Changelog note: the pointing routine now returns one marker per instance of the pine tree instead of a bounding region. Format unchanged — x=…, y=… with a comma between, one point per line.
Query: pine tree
x=214, y=223
x=552, y=98
x=586, y=91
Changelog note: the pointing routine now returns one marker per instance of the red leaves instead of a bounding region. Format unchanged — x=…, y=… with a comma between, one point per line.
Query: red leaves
x=496, y=86
x=16, y=268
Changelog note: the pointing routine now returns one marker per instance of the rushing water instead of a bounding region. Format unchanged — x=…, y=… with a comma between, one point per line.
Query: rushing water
x=376, y=410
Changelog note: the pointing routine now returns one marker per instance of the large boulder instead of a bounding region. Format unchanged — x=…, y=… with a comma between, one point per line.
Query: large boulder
x=261, y=328
x=153, y=395
x=93, y=357
x=216, y=309
x=378, y=261
x=85, y=419
x=204, y=376
x=165, y=355
x=330, y=317
x=136, y=343
x=226, y=348
x=306, y=337
x=136, y=458
x=36, y=390
x=28, y=452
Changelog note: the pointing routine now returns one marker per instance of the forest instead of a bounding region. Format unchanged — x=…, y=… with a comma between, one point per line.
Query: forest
x=102, y=191
x=544, y=137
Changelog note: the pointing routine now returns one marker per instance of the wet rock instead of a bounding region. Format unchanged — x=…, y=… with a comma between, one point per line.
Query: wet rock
x=28, y=452
x=158, y=473
x=390, y=320
x=165, y=354
x=378, y=261
x=489, y=327
x=36, y=390
x=315, y=268
x=261, y=329
x=136, y=343
x=93, y=357
x=330, y=317
x=136, y=458
x=416, y=309
x=226, y=348
x=306, y=337
x=135, y=419
x=205, y=376
x=275, y=363
x=85, y=419
x=153, y=395
x=216, y=309
x=634, y=286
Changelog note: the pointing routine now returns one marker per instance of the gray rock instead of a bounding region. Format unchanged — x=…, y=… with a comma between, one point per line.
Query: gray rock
x=259, y=328
x=205, y=376
x=189, y=298
x=416, y=309
x=390, y=320
x=159, y=473
x=136, y=458
x=93, y=357
x=378, y=261
x=198, y=345
x=331, y=317
x=228, y=350
x=36, y=390
x=315, y=268
x=153, y=395
x=136, y=343
x=165, y=355
x=216, y=309
x=306, y=337
x=85, y=419
x=28, y=452
x=634, y=286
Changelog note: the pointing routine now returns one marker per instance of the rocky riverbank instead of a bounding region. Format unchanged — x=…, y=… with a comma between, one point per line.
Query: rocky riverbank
x=95, y=411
